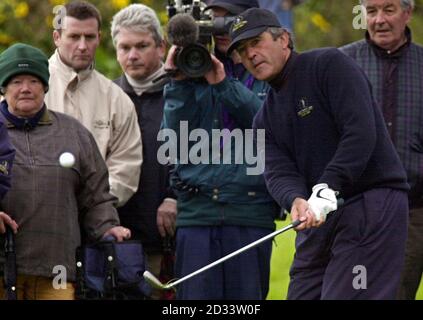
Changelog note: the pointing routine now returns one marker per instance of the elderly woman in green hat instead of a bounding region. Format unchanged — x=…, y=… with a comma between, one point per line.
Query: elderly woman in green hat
x=49, y=205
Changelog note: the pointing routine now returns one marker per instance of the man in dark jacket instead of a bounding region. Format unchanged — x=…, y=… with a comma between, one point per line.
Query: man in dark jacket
x=140, y=48
x=394, y=66
x=325, y=137
x=221, y=207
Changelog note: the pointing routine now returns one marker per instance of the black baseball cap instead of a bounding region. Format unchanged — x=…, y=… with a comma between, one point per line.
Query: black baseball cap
x=250, y=24
x=233, y=6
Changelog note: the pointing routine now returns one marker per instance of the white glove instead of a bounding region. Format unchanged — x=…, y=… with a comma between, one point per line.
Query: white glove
x=322, y=201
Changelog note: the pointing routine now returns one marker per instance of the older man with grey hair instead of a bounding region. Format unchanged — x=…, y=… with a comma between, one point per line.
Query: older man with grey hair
x=394, y=66
x=140, y=49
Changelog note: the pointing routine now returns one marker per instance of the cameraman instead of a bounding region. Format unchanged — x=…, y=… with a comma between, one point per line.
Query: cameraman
x=220, y=207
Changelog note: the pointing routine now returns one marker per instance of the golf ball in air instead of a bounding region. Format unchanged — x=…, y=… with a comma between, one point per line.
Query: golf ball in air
x=67, y=160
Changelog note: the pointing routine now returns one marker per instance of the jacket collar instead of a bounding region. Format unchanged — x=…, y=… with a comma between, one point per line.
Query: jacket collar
x=387, y=54
x=156, y=85
x=70, y=75
x=42, y=117
x=124, y=84
x=282, y=77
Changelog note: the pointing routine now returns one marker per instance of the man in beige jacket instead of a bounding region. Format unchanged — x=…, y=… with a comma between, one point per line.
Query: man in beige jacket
x=77, y=89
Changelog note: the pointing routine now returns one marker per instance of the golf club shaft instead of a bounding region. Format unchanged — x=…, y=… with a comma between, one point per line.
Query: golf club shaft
x=251, y=245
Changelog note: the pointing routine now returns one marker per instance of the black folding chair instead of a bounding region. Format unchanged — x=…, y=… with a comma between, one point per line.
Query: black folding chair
x=10, y=274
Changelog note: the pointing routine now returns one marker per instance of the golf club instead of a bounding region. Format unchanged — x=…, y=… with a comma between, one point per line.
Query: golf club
x=154, y=282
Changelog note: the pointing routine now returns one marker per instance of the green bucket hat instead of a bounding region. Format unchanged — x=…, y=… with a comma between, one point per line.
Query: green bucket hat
x=23, y=59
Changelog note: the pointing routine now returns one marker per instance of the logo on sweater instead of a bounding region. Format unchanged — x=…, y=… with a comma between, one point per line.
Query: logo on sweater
x=305, y=109
x=4, y=168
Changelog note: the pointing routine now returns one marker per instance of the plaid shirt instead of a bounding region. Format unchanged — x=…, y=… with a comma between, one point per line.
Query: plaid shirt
x=407, y=126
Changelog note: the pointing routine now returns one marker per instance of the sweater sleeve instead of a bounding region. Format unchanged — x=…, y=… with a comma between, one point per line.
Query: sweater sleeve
x=351, y=105
x=283, y=180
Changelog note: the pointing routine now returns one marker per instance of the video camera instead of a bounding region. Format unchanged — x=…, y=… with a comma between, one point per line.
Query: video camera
x=191, y=28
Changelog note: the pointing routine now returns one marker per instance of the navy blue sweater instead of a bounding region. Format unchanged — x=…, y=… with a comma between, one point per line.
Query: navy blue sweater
x=322, y=125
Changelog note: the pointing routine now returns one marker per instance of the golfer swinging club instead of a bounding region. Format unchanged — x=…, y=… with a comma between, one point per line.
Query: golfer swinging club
x=325, y=135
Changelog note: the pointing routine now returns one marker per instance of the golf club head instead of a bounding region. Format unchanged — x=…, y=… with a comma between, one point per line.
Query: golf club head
x=152, y=280
x=155, y=283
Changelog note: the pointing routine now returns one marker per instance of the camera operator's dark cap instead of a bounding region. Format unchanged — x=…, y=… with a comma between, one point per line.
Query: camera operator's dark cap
x=233, y=6
x=250, y=24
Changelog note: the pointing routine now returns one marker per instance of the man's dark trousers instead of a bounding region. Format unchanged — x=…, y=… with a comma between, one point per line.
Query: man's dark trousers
x=358, y=253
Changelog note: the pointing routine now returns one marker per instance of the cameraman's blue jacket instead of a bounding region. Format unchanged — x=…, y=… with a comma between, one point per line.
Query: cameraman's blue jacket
x=200, y=105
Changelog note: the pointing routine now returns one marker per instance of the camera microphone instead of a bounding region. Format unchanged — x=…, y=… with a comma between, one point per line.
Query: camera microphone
x=182, y=30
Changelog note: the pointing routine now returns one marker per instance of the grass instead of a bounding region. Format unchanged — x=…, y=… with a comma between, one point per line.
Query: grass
x=283, y=253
